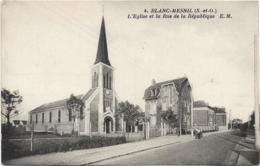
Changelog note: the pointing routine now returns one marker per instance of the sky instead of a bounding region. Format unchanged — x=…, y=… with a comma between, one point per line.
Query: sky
x=48, y=49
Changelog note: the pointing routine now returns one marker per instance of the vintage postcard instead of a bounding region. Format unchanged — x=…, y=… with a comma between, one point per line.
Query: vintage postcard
x=130, y=82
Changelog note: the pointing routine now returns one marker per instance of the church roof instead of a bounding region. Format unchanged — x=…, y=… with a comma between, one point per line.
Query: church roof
x=177, y=82
x=62, y=103
x=102, y=53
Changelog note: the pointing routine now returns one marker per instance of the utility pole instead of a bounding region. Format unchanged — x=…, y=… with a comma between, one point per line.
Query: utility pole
x=31, y=142
x=180, y=120
x=256, y=93
x=191, y=114
x=230, y=120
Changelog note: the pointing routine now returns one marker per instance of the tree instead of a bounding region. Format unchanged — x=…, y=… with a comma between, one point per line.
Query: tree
x=9, y=101
x=75, y=107
x=252, y=120
x=169, y=117
x=132, y=114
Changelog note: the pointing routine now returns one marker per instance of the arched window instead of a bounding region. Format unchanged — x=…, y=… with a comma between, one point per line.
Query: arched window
x=97, y=80
x=50, y=117
x=110, y=84
x=31, y=119
x=59, y=115
x=107, y=81
x=93, y=81
x=104, y=81
x=36, y=118
x=43, y=117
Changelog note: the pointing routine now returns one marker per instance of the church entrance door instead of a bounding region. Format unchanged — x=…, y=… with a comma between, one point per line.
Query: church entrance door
x=108, y=124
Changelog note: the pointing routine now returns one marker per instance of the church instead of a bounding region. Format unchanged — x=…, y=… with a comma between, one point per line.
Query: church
x=99, y=114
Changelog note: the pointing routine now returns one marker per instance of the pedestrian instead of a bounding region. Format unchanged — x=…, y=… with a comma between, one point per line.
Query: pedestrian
x=196, y=133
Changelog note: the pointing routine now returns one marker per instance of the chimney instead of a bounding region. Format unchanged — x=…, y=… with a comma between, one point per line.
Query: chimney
x=153, y=81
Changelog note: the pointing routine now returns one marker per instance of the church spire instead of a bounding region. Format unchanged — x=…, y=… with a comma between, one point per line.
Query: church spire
x=102, y=53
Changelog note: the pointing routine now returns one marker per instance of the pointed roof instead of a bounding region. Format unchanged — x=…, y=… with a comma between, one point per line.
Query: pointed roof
x=177, y=82
x=102, y=53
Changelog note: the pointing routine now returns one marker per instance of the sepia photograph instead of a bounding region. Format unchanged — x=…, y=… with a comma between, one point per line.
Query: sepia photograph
x=130, y=82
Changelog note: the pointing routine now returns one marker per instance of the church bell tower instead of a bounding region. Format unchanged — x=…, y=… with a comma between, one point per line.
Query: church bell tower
x=103, y=80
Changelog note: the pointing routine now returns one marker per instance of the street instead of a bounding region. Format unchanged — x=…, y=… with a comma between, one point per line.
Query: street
x=211, y=149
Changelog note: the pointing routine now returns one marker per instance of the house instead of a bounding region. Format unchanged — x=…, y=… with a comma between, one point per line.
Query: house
x=204, y=116
x=174, y=95
x=99, y=114
x=17, y=123
x=221, y=118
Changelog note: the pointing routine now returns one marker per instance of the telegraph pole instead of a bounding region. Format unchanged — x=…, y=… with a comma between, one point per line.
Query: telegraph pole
x=180, y=121
x=256, y=93
x=31, y=141
x=230, y=120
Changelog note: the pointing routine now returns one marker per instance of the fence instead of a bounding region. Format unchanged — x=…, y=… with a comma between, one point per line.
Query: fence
x=132, y=137
x=207, y=128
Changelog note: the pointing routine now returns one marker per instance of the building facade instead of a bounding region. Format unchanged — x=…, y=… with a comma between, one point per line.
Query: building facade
x=208, y=118
x=204, y=117
x=221, y=118
x=100, y=102
x=174, y=95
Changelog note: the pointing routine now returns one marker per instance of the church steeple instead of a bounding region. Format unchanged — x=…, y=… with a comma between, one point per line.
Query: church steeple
x=102, y=53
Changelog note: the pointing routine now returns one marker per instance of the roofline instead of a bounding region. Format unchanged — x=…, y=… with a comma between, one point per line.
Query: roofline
x=49, y=108
x=172, y=80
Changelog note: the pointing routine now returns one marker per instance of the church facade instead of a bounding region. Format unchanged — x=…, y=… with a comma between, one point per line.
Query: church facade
x=99, y=114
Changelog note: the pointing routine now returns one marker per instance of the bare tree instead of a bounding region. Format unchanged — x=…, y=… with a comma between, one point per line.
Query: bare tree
x=9, y=101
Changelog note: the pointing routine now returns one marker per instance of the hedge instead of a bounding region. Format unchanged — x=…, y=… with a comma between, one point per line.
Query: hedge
x=19, y=148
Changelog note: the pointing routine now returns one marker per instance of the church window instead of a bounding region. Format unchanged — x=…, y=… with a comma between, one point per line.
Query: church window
x=70, y=115
x=43, y=117
x=107, y=80
x=110, y=86
x=104, y=81
x=36, y=118
x=59, y=113
x=50, y=117
x=93, y=86
x=97, y=80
